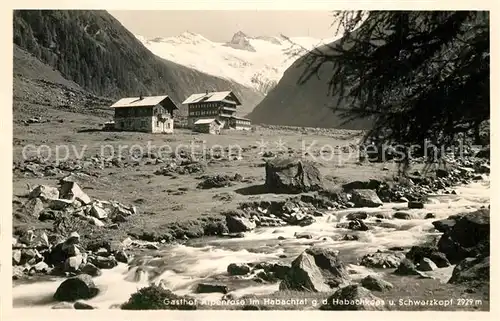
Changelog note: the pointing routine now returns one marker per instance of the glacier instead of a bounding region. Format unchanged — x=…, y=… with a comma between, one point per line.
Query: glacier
x=255, y=62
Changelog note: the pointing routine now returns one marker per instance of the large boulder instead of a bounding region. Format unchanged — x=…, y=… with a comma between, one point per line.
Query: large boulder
x=415, y=205
x=79, y=287
x=97, y=211
x=316, y=269
x=354, y=297
x=275, y=270
x=426, y=265
x=402, y=216
x=216, y=181
x=375, y=283
x=122, y=256
x=238, y=269
x=61, y=204
x=40, y=267
x=355, y=225
x=91, y=270
x=471, y=269
x=406, y=267
x=369, y=184
x=30, y=256
x=292, y=175
x=103, y=262
x=211, y=288
x=301, y=219
x=445, y=225
x=33, y=207
x=237, y=224
x=64, y=250
x=73, y=263
x=418, y=253
x=16, y=257
x=44, y=192
x=384, y=260
x=71, y=191
x=472, y=228
x=365, y=198
x=356, y=216
x=468, y=237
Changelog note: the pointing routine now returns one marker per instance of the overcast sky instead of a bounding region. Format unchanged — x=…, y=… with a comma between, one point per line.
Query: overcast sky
x=221, y=25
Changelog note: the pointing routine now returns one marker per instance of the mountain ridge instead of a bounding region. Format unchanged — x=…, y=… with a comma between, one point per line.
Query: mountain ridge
x=307, y=104
x=255, y=62
x=93, y=49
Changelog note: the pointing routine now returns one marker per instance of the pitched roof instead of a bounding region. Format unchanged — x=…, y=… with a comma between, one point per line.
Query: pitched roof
x=215, y=96
x=240, y=118
x=144, y=102
x=206, y=121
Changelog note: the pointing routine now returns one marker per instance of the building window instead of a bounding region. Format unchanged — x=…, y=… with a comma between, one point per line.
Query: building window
x=122, y=124
x=168, y=125
x=143, y=123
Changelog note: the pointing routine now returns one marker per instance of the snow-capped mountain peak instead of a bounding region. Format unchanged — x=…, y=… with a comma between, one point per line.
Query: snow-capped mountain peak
x=256, y=62
x=238, y=35
x=240, y=41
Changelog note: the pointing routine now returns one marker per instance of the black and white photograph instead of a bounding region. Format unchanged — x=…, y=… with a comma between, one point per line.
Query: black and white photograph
x=307, y=160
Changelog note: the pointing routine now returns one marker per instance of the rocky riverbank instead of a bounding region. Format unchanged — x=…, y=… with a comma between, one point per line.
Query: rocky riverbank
x=58, y=251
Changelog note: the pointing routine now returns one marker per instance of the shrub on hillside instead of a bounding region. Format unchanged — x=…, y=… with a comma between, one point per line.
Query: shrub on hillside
x=155, y=297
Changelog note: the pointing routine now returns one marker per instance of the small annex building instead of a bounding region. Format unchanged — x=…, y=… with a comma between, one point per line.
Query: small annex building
x=207, y=126
x=240, y=123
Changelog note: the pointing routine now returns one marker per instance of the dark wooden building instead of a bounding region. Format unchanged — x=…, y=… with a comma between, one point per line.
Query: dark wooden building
x=212, y=105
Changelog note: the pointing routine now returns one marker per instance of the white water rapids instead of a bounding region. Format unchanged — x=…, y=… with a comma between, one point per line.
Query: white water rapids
x=181, y=267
